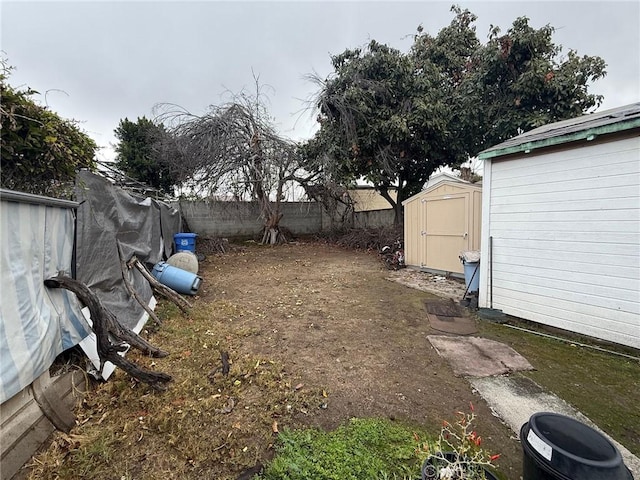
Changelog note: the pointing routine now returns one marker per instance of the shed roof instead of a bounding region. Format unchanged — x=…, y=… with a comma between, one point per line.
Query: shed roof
x=436, y=178
x=458, y=184
x=585, y=127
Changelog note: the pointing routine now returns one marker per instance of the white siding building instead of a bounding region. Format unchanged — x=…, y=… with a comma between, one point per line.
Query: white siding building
x=561, y=226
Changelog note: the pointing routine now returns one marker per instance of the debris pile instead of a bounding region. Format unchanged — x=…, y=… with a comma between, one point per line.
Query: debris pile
x=363, y=238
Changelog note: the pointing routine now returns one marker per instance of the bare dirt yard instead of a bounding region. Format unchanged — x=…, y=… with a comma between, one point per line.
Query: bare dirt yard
x=315, y=335
x=339, y=324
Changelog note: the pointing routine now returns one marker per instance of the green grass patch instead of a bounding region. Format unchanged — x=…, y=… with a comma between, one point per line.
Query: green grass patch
x=603, y=386
x=363, y=448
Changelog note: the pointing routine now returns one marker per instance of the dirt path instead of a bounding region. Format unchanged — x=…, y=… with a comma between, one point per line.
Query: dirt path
x=339, y=324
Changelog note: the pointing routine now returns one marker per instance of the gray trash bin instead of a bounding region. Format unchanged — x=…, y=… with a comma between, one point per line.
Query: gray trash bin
x=471, y=263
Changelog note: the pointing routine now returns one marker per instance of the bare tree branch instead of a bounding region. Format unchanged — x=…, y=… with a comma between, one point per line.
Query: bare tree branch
x=233, y=149
x=111, y=335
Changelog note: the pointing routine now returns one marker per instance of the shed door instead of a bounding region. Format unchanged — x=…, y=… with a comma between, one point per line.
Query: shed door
x=445, y=234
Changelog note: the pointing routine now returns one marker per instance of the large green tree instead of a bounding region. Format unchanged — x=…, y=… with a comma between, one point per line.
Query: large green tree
x=393, y=118
x=137, y=153
x=41, y=151
x=515, y=82
x=381, y=121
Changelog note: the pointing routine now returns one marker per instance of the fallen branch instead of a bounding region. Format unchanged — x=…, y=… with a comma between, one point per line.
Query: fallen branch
x=224, y=358
x=226, y=366
x=125, y=278
x=214, y=246
x=160, y=288
x=106, y=326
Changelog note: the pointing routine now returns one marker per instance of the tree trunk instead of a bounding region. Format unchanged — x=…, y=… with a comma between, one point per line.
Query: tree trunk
x=398, y=218
x=272, y=234
x=395, y=204
x=111, y=336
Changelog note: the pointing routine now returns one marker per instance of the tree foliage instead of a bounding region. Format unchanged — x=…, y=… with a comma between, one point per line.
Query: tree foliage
x=233, y=151
x=380, y=121
x=137, y=153
x=393, y=118
x=513, y=83
x=41, y=151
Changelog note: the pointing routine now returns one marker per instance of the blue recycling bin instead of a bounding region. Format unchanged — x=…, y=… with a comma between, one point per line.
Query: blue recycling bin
x=185, y=242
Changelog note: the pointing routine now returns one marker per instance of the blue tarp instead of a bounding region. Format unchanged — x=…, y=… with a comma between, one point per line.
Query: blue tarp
x=36, y=323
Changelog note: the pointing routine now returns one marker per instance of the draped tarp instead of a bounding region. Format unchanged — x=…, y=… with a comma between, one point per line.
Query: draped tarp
x=144, y=227
x=36, y=323
x=37, y=235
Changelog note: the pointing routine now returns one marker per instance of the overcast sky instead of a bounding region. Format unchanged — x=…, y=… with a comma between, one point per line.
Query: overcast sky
x=98, y=62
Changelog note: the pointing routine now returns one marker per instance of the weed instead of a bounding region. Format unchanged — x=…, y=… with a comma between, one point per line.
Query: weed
x=364, y=448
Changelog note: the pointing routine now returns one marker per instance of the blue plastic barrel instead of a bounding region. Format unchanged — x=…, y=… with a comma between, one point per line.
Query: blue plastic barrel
x=185, y=242
x=177, y=279
x=472, y=276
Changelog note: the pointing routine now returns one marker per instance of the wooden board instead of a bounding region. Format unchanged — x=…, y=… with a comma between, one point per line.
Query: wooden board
x=25, y=426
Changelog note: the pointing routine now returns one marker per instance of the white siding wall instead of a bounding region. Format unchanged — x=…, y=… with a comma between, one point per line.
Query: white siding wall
x=566, y=239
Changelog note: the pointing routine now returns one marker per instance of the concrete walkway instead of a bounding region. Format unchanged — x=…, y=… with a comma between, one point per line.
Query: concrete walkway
x=514, y=400
x=486, y=365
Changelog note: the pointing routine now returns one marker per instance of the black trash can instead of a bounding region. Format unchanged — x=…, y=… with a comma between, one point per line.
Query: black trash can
x=557, y=447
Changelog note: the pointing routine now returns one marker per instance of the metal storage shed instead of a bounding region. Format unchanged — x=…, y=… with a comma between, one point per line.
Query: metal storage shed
x=561, y=226
x=440, y=223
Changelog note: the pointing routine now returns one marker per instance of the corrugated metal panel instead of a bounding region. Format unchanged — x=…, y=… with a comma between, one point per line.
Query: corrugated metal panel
x=566, y=230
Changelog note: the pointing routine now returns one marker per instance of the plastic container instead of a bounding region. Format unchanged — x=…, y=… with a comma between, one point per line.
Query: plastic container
x=184, y=260
x=561, y=448
x=472, y=276
x=433, y=463
x=471, y=263
x=177, y=279
x=185, y=242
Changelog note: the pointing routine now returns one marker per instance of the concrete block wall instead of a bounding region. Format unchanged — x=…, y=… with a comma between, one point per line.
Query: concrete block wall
x=242, y=219
x=373, y=218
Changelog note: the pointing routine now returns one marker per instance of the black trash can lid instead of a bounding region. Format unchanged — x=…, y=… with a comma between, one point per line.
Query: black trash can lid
x=567, y=446
x=573, y=439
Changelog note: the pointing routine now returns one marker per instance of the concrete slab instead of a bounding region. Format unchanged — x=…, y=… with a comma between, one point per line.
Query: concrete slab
x=515, y=399
x=478, y=357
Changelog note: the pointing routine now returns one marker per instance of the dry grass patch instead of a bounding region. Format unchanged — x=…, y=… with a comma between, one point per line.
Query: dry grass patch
x=206, y=425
